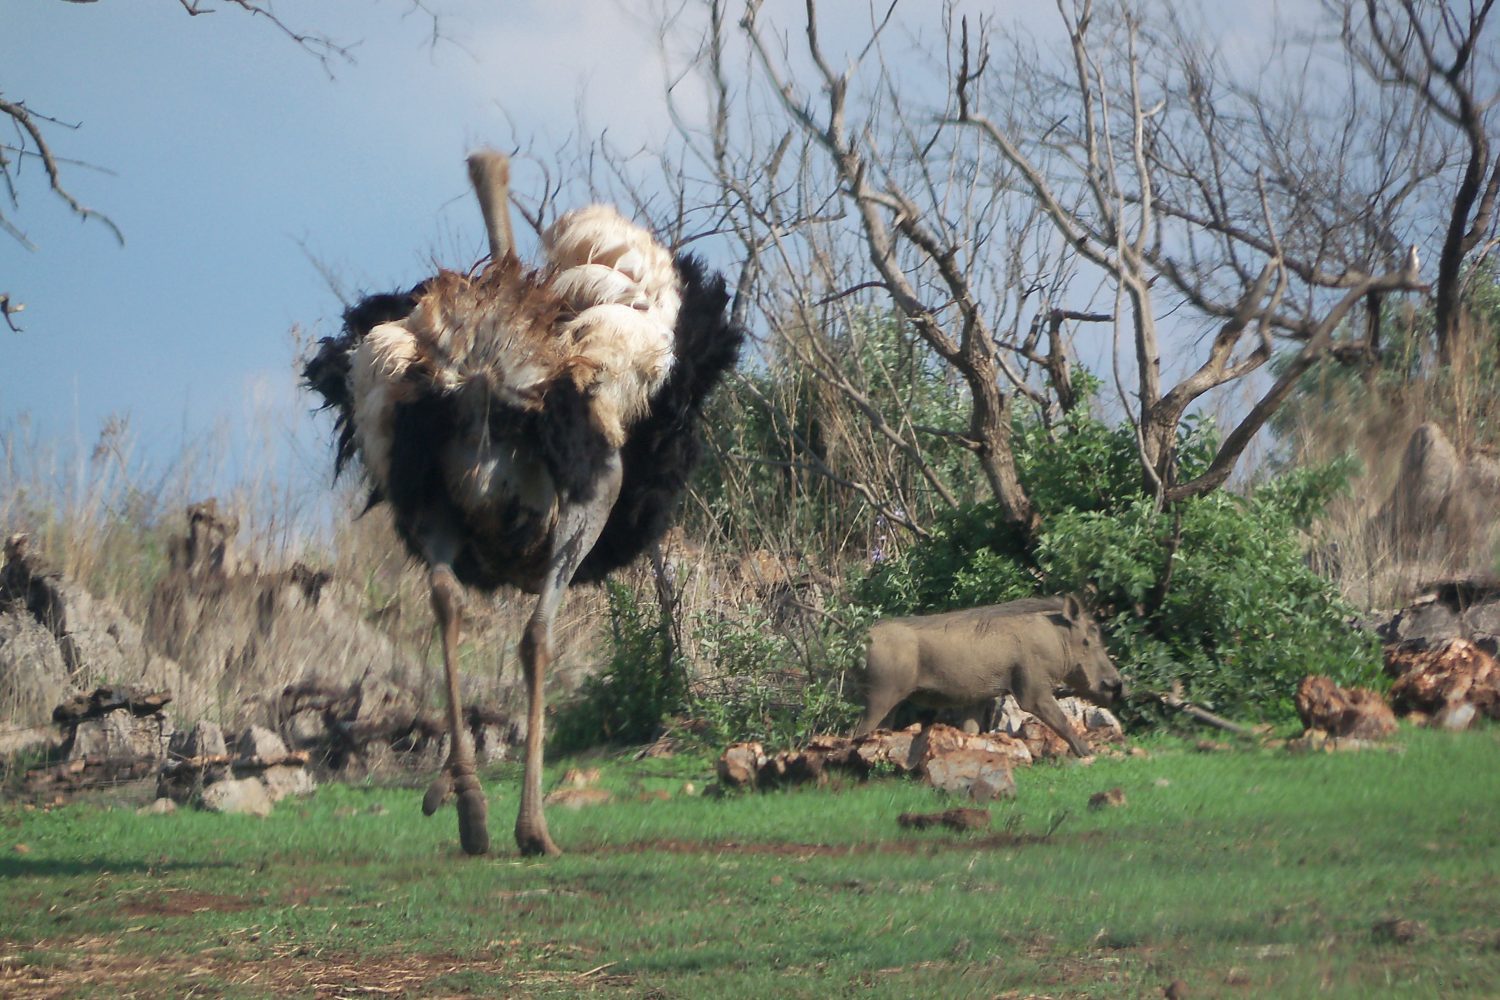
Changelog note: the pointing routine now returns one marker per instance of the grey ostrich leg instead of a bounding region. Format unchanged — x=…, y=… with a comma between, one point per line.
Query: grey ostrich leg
x=460, y=772
x=578, y=527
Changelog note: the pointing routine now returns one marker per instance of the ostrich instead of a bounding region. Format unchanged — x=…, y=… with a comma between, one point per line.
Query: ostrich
x=528, y=427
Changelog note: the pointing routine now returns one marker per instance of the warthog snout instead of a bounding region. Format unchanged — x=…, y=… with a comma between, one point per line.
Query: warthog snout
x=1111, y=690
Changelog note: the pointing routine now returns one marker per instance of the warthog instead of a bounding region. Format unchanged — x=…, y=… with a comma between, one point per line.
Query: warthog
x=1029, y=648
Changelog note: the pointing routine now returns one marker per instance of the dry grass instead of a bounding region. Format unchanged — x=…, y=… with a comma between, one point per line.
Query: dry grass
x=1373, y=420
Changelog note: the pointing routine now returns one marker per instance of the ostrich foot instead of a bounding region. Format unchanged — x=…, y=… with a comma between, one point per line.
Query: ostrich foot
x=473, y=815
x=439, y=792
x=534, y=841
x=473, y=812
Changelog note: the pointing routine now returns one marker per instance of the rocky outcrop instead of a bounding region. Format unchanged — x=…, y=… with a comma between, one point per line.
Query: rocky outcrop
x=974, y=765
x=1450, y=685
x=56, y=637
x=1352, y=713
x=112, y=735
x=248, y=774
x=1442, y=509
x=239, y=631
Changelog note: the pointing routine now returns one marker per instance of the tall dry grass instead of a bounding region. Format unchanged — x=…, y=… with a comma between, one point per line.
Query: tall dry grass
x=105, y=518
x=1372, y=416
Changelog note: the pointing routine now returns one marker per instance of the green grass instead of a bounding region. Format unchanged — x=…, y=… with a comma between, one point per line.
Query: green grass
x=1242, y=874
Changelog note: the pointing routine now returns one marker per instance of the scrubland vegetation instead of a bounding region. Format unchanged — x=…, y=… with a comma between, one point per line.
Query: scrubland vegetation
x=1018, y=343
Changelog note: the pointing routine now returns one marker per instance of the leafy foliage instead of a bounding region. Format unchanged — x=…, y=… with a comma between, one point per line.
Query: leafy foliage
x=777, y=683
x=644, y=682
x=1212, y=594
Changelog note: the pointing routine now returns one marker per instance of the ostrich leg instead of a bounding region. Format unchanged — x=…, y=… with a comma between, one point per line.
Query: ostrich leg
x=578, y=527
x=459, y=773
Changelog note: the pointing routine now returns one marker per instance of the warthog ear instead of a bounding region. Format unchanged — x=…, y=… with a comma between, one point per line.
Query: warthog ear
x=1072, y=609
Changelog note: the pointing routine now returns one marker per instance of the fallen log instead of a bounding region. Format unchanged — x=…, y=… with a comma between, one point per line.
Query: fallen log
x=291, y=758
x=1175, y=701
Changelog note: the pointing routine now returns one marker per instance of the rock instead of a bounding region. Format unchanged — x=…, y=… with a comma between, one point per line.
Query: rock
x=1398, y=931
x=234, y=627
x=305, y=728
x=285, y=780
x=982, y=775
x=95, y=638
x=1355, y=713
x=258, y=744
x=953, y=819
x=1114, y=798
x=939, y=740
x=33, y=676
x=887, y=747
x=1428, y=622
x=185, y=772
x=1437, y=681
x=121, y=736
x=237, y=795
x=1097, y=726
x=495, y=738
x=739, y=765
x=1456, y=716
x=205, y=739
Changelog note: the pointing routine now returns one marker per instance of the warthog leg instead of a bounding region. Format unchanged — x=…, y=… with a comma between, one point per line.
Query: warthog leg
x=1045, y=707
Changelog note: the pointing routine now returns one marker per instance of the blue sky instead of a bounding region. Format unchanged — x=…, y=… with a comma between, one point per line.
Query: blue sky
x=231, y=159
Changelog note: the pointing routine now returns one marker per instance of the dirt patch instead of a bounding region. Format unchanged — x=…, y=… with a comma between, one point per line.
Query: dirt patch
x=92, y=965
x=925, y=845
x=183, y=903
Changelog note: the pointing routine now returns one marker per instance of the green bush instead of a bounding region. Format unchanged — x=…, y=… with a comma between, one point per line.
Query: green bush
x=777, y=684
x=644, y=682
x=1240, y=619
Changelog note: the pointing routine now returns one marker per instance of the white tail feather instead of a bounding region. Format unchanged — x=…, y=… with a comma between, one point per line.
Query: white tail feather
x=585, y=245
x=633, y=350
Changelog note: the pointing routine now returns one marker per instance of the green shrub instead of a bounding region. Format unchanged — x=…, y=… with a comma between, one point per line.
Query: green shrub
x=644, y=682
x=777, y=684
x=1240, y=619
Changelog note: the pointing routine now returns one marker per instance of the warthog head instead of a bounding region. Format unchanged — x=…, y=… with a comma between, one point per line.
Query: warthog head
x=1089, y=671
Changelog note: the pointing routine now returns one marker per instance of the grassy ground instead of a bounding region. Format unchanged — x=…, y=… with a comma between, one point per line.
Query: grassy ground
x=1241, y=874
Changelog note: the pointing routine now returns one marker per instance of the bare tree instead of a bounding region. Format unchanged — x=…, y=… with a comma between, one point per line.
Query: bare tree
x=995, y=196
x=1435, y=58
x=32, y=131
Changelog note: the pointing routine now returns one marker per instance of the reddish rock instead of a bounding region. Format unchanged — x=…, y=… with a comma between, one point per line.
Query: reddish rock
x=1454, y=683
x=939, y=740
x=1355, y=713
x=1114, y=798
x=1096, y=726
x=885, y=746
x=739, y=766
x=953, y=819
x=981, y=775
